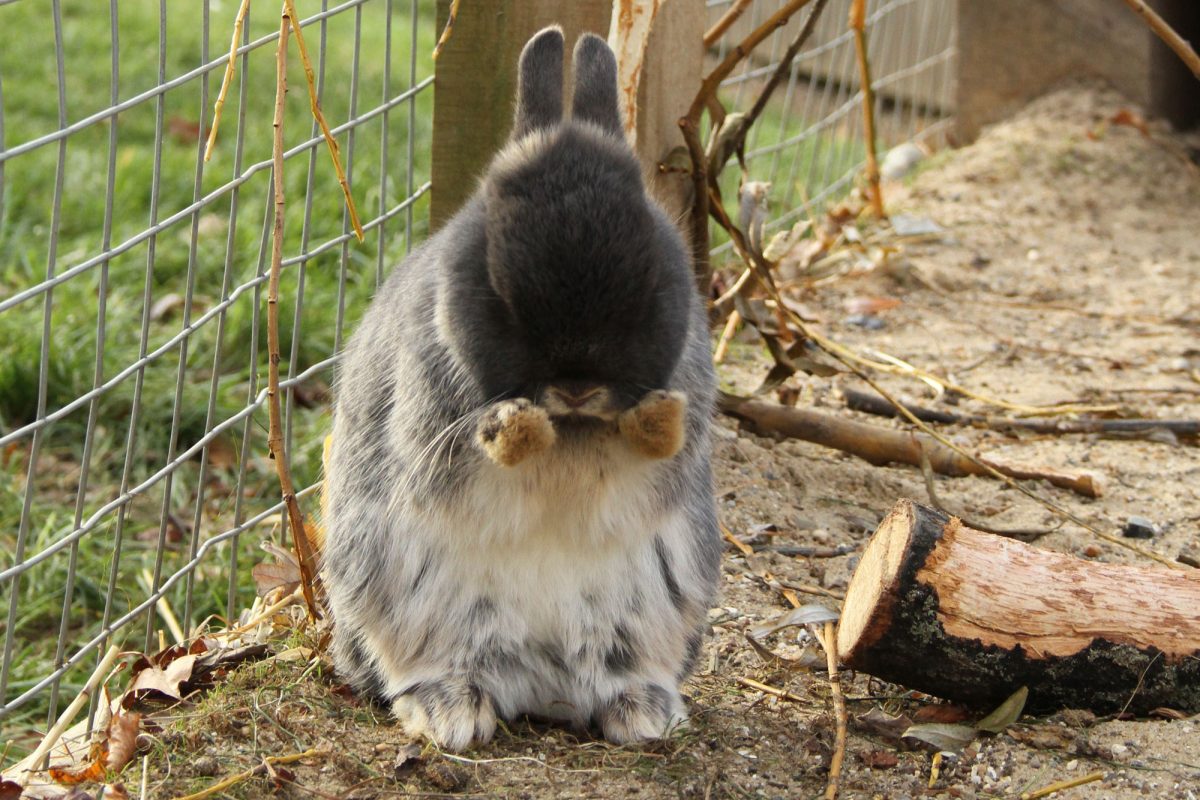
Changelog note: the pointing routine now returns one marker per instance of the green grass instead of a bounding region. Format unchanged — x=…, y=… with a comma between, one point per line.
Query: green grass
x=31, y=109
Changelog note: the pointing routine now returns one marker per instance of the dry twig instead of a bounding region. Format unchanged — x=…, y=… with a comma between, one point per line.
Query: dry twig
x=1165, y=32
x=230, y=68
x=64, y=719
x=829, y=642
x=862, y=401
x=690, y=125
x=858, y=23
x=771, y=690
x=714, y=34
x=1059, y=786
x=304, y=554
x=265, y=766
x=315, y=107
x=879, y=445
x=447, y=31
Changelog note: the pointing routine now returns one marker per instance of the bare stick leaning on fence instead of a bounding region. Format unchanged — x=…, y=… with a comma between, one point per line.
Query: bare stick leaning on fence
x=858, y=24
x=275, y=442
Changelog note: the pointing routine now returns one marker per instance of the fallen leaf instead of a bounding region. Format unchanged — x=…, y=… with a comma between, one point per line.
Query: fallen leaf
x=407, y=760
x=10, y=790
x=810, y=614
x=1006, y=714
x=1168, y=713
x=1045, y=737
x=1131, y=118
x=93, y=771
x=944, y=737
x=184, y=130
x=164, y=681
x=871, y=305
x=879, y=759
x=909, y=225
x=942, y=712
x=881, y=723
x=165, y=305
x=221, y=453
x=272, y=576
x=122, y=735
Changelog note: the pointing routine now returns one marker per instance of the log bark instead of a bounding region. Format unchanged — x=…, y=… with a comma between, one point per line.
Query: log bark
x=971, y=617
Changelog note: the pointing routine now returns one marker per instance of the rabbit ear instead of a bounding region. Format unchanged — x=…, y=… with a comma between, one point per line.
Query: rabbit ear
x=539, y=82
x=596, y=84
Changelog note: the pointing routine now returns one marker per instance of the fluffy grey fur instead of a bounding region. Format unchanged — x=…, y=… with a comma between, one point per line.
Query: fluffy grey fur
x=574, y=583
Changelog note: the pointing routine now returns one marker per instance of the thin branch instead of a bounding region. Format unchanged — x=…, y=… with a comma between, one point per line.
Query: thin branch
x=315, y=106
x=230, y=68
x=858, y=23
x=690, y=126
x=713, y=34
x=451, y=17
x=870, y=404
x=64, y=719
x=829, y=642
x=1062, y=786
x=783, y=694
x=265, y=766
x=1165, y=32
x=304, y=554
x=783, y=69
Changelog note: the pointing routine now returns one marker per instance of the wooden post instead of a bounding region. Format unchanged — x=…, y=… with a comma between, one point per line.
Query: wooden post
x=476, y=78
x=1012, y=51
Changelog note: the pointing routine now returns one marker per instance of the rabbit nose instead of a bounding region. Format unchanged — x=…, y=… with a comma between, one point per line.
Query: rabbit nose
x=575, y=398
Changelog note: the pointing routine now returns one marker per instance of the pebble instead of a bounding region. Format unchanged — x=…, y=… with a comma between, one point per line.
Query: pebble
x=205, y=766
x=1139, y=528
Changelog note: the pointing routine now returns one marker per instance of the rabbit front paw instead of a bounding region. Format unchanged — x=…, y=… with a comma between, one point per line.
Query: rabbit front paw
x=640, y=713
x=654, y=427
x=453, y=713
x=513, y=430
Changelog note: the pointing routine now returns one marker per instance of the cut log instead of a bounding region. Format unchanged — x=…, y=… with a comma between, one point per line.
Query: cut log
x=971, y=617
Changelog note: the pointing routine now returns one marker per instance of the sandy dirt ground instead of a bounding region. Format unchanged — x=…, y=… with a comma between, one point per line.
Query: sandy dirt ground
x=1067, y=272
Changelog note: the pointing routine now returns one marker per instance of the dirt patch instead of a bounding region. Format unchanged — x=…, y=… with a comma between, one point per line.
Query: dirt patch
x=1067, y=272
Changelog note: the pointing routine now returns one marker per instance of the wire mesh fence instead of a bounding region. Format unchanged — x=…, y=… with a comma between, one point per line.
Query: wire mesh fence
x=809, y=142
x=134, y=479
x=131, y=283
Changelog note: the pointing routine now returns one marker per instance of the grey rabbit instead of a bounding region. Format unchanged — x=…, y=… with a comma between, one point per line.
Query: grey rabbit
x=520, y=516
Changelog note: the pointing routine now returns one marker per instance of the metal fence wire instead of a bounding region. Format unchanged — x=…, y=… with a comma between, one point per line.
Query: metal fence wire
x=134, y=481
x=809, y=144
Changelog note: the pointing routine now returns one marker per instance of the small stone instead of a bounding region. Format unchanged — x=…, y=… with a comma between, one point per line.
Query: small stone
x=868, y=321
x=205, y=766
x=1139, y=528
x=1092, y=551
x=446, y=777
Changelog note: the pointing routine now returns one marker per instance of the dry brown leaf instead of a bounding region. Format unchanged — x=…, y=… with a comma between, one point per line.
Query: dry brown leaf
x=942, y=712
x=272, y=576
x=1045, y=737
x=879, y=759
x=871, y=305
x=94, y=771
x=164, y=681
x=167, y=304
x=123, y=731
x=1131, y=118
x=883, y=724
